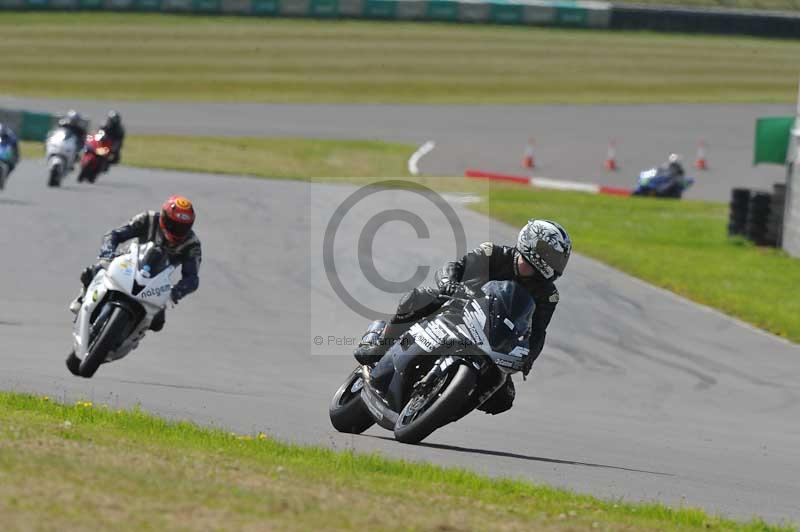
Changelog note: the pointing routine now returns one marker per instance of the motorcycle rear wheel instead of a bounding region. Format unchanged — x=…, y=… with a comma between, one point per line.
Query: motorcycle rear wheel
x=347, y=411
x=107, y=339
x=54, y=179
x=429, y=410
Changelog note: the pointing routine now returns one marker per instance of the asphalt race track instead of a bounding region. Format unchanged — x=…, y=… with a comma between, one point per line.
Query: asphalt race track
x=638, y=394
x=571, y=141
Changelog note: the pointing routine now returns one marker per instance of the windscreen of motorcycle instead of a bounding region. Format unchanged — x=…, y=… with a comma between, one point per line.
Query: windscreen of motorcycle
x=509, y=309
x=152, y=260
x=500, y=321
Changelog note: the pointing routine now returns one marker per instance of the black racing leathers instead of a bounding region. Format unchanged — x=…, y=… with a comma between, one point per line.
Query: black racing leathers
x=485, y=263
x=490, y=262
x=145, y=227
x=117, y=136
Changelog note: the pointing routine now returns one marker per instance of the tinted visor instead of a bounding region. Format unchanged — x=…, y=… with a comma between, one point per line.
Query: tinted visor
x=154, y=260
x=176, y=229
x=555, y=259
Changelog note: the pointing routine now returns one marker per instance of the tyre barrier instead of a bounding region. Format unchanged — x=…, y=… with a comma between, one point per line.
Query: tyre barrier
x=758, y=216
x=740, y=201
x=775, y=219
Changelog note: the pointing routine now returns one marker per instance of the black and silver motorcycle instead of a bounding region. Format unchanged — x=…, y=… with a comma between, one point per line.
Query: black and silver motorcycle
x=442, y=368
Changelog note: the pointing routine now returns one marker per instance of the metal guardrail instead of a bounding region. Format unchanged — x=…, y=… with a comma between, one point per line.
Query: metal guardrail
x=587, y=14
x=565, y=13
x=27, y=125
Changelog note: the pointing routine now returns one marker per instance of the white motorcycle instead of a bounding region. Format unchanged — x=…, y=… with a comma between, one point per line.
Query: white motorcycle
x=118, y=307
x=62, y=154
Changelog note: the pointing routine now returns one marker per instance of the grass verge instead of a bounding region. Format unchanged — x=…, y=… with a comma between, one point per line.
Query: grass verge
x=85, y=467
x=678, y=245
x=196, y=58
x=262, y=157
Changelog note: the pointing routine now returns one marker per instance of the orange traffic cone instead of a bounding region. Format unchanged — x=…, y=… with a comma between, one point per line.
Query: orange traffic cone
x=528, y=160
x=610, y=163
x=700, y=162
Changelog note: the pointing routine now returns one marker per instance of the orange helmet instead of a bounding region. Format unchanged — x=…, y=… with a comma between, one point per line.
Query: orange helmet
x=177, y=218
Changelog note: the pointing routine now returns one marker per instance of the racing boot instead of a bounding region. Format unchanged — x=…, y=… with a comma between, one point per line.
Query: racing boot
x=77, y=303
x=373, y=344
x=158, y=321
x=86, y=277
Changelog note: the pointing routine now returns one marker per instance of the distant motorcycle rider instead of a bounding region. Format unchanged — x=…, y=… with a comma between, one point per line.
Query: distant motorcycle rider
x=673, y=169
x=171, y=228
x=112, y=128
x=539, y=258
x=9, y=138
x=77, y=125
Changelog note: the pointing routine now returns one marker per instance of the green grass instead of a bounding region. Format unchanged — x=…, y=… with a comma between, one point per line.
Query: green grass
x=185, y=58
x=82, y=467
x=270, y=157
x=263, y=157
x=679, y=245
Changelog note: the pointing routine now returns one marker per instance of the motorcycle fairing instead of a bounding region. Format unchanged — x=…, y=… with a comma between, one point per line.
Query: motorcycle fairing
x=61, y=145
x=120, y=277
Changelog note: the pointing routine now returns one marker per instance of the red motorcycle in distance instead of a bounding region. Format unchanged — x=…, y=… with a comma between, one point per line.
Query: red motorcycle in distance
x=95, y=157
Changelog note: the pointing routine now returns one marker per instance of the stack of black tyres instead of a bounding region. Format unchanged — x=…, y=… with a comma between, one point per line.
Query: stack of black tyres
x=740, y=202
x=775, y=220
x=757, y=218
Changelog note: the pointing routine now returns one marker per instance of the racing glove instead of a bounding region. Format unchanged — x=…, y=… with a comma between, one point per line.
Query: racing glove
x=449, y=288
x=87, y=275
x=106, y=253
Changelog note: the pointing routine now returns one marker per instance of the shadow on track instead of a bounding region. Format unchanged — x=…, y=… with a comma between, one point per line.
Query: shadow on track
x=188, y=387
x=9, y=201
x=504, y=454
x=118, y=185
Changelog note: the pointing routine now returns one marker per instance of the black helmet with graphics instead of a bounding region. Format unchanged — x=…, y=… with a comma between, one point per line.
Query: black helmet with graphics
x=113, y=119
x=546, y=246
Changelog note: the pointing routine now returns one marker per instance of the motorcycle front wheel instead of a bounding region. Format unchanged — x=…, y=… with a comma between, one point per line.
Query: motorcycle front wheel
x=347, y=411
x=109, y=337
x=54, y=179
x=435, y=406
x=88, y=173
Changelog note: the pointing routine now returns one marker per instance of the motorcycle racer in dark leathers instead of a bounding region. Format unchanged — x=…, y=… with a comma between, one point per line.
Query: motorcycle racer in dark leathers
x=171, y=228
x=539, y=258
x=112, y=128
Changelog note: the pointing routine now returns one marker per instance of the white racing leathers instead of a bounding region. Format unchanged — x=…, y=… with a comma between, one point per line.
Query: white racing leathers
x=120, y=304
x=62, y=146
